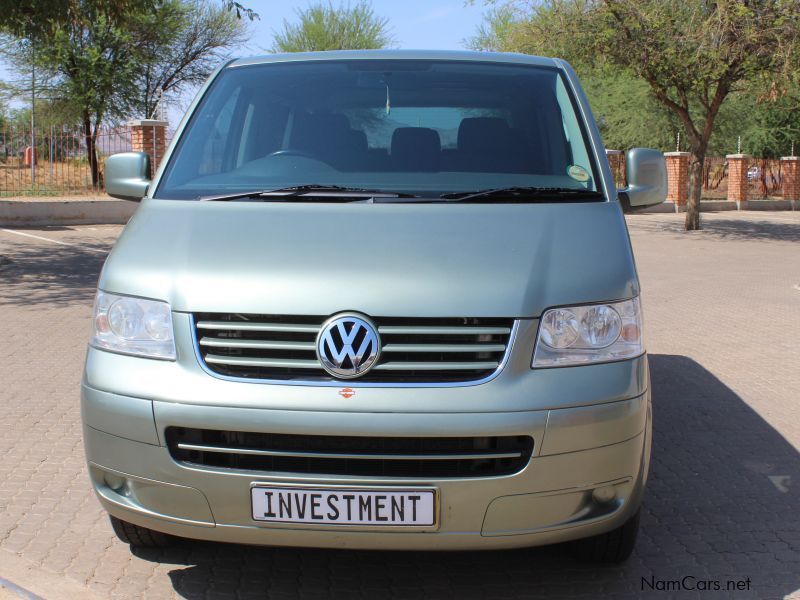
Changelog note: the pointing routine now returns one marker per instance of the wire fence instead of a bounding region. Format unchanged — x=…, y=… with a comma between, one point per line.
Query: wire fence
x=60, y=164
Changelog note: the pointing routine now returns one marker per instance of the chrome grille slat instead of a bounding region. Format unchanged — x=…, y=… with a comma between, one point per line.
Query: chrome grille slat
x=257, y=344
x=247, y=326
x=443, y=348
x=435, y=366
x=282, y=348
x=390, y=330
x=250, y=361
x=353, y=456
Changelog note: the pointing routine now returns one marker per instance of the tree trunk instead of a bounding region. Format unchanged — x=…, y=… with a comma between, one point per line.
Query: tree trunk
x=99, y=179
x=695, y=190
x=91, y=150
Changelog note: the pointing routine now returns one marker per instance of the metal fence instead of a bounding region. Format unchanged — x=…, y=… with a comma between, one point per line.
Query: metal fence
x=715, y=178
x=764, y=178
x=60, y=165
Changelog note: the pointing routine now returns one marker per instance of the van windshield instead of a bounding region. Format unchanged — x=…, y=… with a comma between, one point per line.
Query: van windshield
x=422, y=127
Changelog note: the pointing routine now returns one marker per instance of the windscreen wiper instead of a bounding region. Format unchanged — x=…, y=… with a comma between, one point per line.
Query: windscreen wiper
x=308, y=190
x=526, y=194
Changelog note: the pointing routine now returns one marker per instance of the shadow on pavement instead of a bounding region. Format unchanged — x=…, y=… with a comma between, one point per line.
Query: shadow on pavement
x=50, y=274
x=745, y=229
x=721, y=504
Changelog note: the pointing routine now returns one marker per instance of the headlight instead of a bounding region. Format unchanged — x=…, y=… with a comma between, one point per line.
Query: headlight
x=589, y=334
x=133, y=326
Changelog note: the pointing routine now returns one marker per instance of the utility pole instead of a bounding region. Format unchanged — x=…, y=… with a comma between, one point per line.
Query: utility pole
x=33, y=116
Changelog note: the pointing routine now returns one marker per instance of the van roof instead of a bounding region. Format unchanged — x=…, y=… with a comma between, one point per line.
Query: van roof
x=454, y=55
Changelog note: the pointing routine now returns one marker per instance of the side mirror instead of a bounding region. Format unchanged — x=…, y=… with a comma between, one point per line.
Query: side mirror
x=127, y=175
x=646, y=171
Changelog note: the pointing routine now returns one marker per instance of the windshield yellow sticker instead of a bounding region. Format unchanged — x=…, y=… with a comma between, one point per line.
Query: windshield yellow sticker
x=578, y=173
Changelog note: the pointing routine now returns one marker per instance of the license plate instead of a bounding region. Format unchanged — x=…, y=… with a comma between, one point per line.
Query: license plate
x=330, y=506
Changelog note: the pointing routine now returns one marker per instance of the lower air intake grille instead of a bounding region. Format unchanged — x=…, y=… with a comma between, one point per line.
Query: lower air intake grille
x=419, y=457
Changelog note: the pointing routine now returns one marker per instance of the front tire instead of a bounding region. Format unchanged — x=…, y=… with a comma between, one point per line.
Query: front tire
x=614, y=546
x=140, y=537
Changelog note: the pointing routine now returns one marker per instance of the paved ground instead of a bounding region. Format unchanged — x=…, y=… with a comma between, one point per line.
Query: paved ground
x=723, y=324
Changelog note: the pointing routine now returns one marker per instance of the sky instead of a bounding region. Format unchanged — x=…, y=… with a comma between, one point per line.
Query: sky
x=414, y=24
x=418, y=24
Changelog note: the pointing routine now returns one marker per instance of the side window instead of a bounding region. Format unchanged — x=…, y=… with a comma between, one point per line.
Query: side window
x=211, y=156
x=572, y=130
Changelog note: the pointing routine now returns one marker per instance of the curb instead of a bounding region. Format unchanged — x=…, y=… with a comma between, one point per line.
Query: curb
x=724, y=205
x=42, y=213
x=26, y=580
x=38, y=213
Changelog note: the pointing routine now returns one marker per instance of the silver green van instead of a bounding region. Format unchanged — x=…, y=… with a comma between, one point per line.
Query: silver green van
x=377, y=300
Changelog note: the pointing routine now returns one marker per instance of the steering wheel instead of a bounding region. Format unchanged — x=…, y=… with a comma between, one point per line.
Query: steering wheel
x=300, y=153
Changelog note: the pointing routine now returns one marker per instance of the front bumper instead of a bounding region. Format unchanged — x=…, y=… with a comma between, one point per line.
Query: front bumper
x=576, y=450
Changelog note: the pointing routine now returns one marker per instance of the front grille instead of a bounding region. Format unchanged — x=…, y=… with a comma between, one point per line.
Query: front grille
x=413, y=350
x=419, y=457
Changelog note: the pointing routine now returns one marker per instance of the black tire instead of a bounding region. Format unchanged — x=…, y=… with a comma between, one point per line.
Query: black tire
x=140, y=537
x=614, y=546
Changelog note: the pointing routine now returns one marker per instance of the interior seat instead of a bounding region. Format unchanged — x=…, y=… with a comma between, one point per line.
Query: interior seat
x=329, y=137
x=489, y=144
x=416, y=149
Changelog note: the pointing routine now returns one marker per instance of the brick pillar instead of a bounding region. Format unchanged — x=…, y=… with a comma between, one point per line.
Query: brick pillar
x=737, y=178
x=616, y=160
x=149, y=136
x=677, y=178
x=790, y=169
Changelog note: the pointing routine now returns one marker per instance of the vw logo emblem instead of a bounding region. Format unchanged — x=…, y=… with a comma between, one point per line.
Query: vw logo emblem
x=348, y=346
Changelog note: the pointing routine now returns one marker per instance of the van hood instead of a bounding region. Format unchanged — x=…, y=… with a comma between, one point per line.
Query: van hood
x=409, y=260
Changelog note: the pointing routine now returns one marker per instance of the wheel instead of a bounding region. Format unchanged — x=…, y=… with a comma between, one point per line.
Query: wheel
x=614, y=546
x=140, y=537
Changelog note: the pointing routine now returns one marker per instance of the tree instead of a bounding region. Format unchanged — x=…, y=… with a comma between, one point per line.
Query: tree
x=693, y=54
x=38, y=18
x=108, y=64
x=182, y=48
x=326, y=27
x=496, y=32
x=92, y=61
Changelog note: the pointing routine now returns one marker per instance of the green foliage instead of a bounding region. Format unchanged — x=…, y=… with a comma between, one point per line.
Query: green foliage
x=494, y=34
x=39, y=18
x=326, y=27
x=773, y=124
x=49, y=113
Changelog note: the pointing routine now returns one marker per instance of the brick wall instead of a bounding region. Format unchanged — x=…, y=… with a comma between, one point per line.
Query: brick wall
x=737, y=176
x=150, y=136
x=616, y=161
x=677, y=177
x=790, y=166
